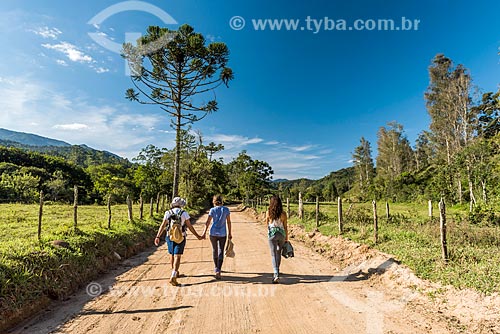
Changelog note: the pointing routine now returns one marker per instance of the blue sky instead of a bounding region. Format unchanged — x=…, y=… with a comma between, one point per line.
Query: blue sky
x=301, y=100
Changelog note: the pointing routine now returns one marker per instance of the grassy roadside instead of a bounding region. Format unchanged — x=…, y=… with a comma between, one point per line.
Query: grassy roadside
x=414, y=239
x=32, y=270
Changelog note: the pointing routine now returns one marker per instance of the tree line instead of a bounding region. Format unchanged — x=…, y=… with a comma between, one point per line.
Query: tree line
x=456, y=158
x=26, y=173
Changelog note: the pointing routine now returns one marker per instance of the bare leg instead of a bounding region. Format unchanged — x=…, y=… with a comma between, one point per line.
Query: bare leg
x=176, y=262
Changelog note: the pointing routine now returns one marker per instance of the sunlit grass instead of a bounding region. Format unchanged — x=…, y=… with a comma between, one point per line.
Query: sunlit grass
x=414, y=239
x=30, y=268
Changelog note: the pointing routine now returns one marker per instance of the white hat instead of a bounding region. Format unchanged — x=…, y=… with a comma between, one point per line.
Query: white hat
x=178, y=202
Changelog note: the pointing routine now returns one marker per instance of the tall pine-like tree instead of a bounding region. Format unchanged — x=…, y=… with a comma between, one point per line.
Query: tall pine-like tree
x=175, y=70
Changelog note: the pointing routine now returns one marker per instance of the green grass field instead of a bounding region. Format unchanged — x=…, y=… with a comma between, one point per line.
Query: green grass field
x=414, y=239
x=30, y=269
x=19, y=222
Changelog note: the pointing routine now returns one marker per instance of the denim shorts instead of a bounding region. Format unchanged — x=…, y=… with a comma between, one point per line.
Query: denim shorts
x=175, y=248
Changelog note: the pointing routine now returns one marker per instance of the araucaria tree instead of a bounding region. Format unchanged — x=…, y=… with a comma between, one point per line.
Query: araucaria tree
x=175, y=70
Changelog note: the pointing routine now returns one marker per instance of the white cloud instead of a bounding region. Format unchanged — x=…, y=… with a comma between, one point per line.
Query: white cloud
x=61, y=62
x=6, y=81
x=310, y=157
x=75, y=55
x=103, y=34
x=71, y=51
x=47, y=32
x=288, y=161
x=234, y=140
x=73, y=126
x=212, y=38
x=301, y=148
x=100, y=70
x=253, y=141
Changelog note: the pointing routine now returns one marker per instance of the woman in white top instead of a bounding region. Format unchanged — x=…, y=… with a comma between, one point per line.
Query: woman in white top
x=176, y=249
x=276, y=221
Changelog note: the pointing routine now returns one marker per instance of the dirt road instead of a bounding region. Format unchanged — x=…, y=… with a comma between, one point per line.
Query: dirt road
x=313, y=297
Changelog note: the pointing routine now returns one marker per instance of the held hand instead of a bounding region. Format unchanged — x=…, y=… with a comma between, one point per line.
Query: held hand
x=204, y=235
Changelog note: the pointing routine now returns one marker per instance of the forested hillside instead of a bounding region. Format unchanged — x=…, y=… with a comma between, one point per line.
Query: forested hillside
x=29, y=139
x=328, y=188
x=81, y=155
x=99, y=175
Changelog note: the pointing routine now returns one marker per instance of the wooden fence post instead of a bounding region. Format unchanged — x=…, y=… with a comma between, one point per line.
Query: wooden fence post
x=129, y=207
x=301, y=207
x=109, y=211
x=75, y=206
x=387, y=212
x=317, y=212
x=151, y=207
x=141, y=207
x=288, y=207
x=40, y=214
x=157, y=202
x=375, y=222
x=442, y=221
x=430, y=210
x=341, y=223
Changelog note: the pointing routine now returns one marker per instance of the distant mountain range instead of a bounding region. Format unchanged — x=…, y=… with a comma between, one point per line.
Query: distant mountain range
x=280, y=180
x=81, y=155
x=29, y=139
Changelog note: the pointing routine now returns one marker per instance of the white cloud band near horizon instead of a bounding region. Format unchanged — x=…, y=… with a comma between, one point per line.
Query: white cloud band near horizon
x=73, y=126
x=36, y=107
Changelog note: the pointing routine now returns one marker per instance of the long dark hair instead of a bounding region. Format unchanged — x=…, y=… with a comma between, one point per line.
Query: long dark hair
x=275, y=207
